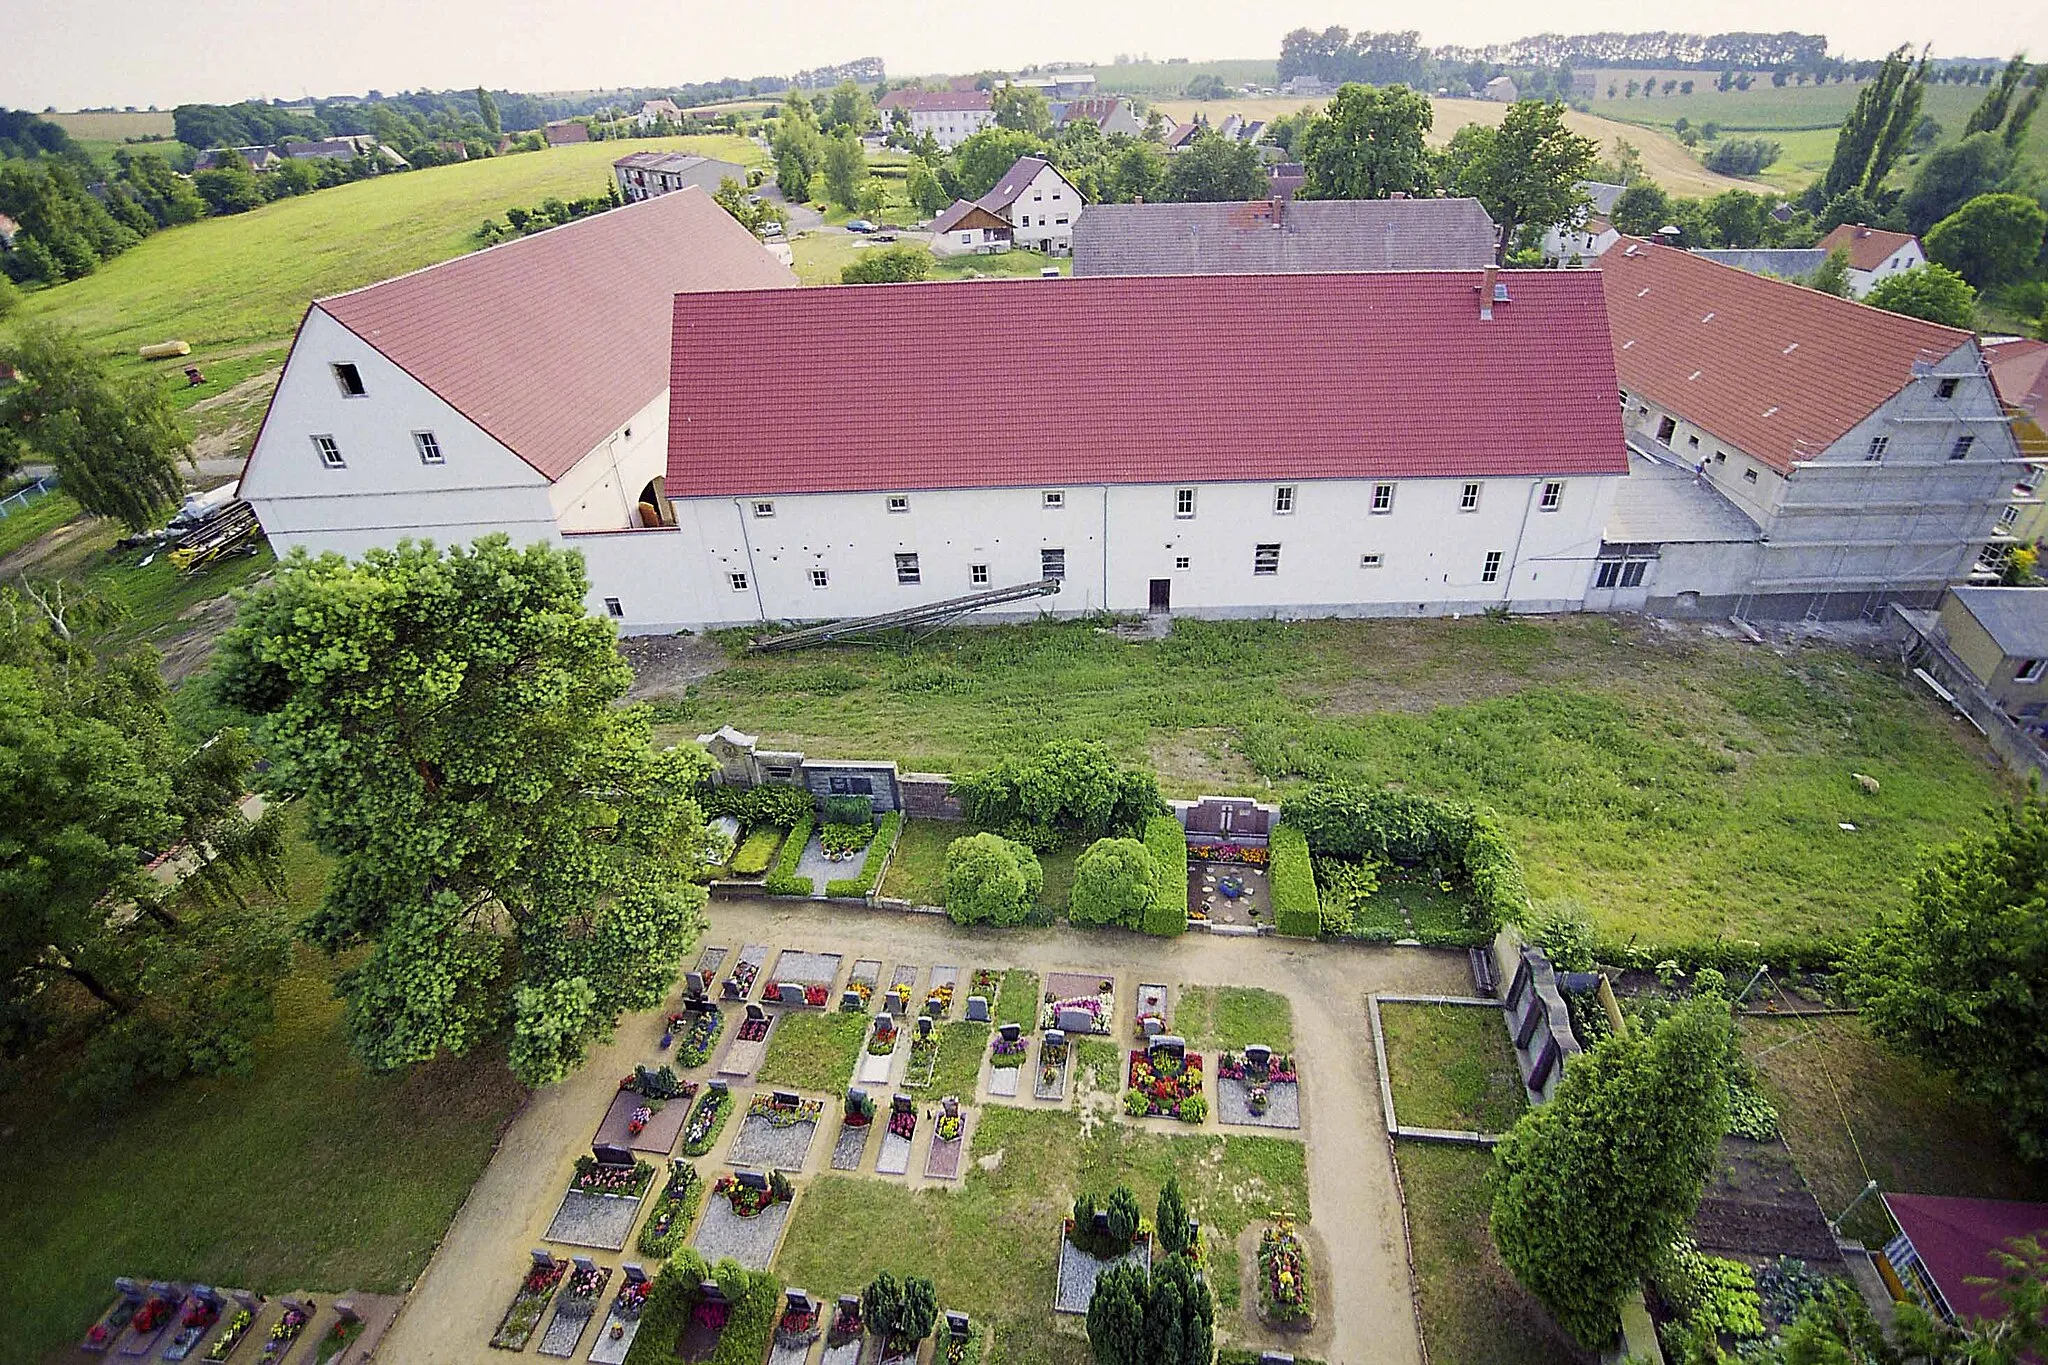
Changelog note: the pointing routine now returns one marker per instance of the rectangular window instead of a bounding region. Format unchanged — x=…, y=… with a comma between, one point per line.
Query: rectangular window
x=1383, y=497
x=1052, y=499
x=977, y=574
x=1665, y=427
x=2030, y=670
x=350, y=379
x=1183, y=502
x=2008, y=516
x=1491, y=573
x=1283, y=500
x=1052, y=563
x=330, y=452
x=1749, y=476
x=820, y=579
x=860, y=786
x=1371, y=561
x=739, y=581
x=1468, y=498
x=1182, y=562
x=1946, y=389
x=612, y=607
x=1878, y=446
x=1608, y=574
x=1265, y=560
x=764, y=509
x=1632, y=574
x=1961, y=447
x=428, y=447
x=1692, y=442
x=1552, y=499
x=899, y=503
x=1720, y=457
x=906, y=569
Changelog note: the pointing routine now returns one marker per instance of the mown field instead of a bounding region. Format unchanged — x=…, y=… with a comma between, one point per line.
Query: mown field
x=1682, y=787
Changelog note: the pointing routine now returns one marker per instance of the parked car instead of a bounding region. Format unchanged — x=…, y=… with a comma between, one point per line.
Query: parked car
x=771, y=228
x=885, y=237
x=861, y=225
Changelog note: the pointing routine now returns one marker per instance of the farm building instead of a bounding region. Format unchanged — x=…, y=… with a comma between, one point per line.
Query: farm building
x=1110, y=113
x=1869, y=449
x=950, y=116
x=2000, y=635
x=643, y=175
x=562, y=132
x=1305, y=236
x=968, y=229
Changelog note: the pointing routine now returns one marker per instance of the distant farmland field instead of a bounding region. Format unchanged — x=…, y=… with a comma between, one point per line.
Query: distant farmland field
x=114, y=127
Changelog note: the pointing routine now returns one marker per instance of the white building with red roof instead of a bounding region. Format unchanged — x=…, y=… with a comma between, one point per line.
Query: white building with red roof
x=1874, y=254
x=1040, y=205
x=950, y=116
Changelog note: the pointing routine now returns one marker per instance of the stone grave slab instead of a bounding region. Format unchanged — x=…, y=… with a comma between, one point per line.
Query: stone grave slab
x=659, y=1136
x=797, y=964
x=1283, y=1105
x=874, y=1070
x=942, y=992
x=739, y=983
x=603, y=1221
x=944, y=1160
x=1055, y=1060
x=762, y=1141
x=903, y=980
x=895, y=1156
x=1065, y=984
x=1002, y=1081
x=847, y=1351
x=861, y=984
x=850, y=1146
x=572, y=1315
x=749, y=1043
x=750, y=1241
x=1078, y=1272
x=1153, y=1014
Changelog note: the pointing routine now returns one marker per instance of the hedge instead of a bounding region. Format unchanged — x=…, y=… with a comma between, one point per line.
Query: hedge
x=674, y=1293
x=752, y=857
x=1406, y=829
x=1297, y=912
x=774, y=804
x=871, y=865
x=782, y=879
x=1167, y=842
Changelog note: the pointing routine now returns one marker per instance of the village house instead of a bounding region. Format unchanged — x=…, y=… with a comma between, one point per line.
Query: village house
x=643, y=175
x=1874, y=254
x=2001, y=637
x=1501, y=89
x=1040, y=205
x=258, y=158
x=968, y=229
x=1181, y=136
x=1868, y=449
x=1308, y=236
x=1786, y=263
x=950, y=116
x=659, y=111
x=1110, y=113
x=1588, y=232
x=2020, y=370
x=562, y=132
x=342, y=149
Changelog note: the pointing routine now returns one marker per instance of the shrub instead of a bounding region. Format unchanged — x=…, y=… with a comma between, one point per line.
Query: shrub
x=1345, y=888
x=778, y=804
x=1135, y=1103
x=839, y=839
x=1113, y=884
x=1297, y=911
x=891, y=265
x=991, y=880
x=1405, y=829
x=1122, y=1208
x=755, y=851
x=1166, y=914
x=870, y=866
x=782, y=879
x=849, y=810
x=1074, y=788
x=1194, y=1109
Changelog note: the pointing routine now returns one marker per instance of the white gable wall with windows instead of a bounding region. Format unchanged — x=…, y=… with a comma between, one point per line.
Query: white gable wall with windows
x=1042, y=216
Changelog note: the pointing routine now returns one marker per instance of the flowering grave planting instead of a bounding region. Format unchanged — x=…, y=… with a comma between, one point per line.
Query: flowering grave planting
x=710, y=1314
x=938, y=1001
x=1279, y=1071
x=342, y=1337
x=632, y=1300
x=988, y=984
x=748, y=1197
x=101, y=1334
x=816, y=993
x=1009, y=1052
x=882, y=1041
x=1252, y=855
x=949, y=1128
x=1167, y=1083
x=846, y=1324
x=797, y=1323
x=584, y=1287
x=743, y=974
x=1284, y=1294
x=595, y=1177
x=664, y=1232
x=1052, y=1068
x=699, y=1030
x=705, y=1121
x=903, y=1124
x=193, y=1319
x=782, y=1115
x=924, y=1059
x=156, y=1311
x=237, y=1328
x=754, y=1030
x=287, y=1329
x=528, y=1304
x=1099, y=1007
x=857, y=995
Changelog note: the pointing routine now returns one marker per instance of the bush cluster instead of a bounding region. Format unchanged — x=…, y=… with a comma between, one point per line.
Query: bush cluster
x=778, y=805
x=751, y=858
x=1297, y=910
x=1113, y=884
x=870, y=866
x=1068, y=789
x=782, y=879
x=1406, y=829
x=849, y=810
x=991, y=880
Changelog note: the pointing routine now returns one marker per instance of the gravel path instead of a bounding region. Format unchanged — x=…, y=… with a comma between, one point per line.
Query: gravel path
x=1283, y=1105
x=750, y=1241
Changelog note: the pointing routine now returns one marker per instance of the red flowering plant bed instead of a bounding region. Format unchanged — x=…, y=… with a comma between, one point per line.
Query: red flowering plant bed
x=747, y=1200
x=753, y=1030
x=193, y=1320
x=797, y=1324
x=101, y=1334
x=155, y=1312
x=903, y=1125
x=1163, y=1085
x=1251, y=855
x=528, y=1305
x=1284, y=1292
x=631, y=1300
x=710, y=1315
x=594, y=1177
x=1280, y=1071
x=340, y=1339
x=846, y=1326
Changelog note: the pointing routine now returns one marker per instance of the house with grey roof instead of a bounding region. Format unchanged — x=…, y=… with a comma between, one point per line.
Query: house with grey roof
x=1786, y=263
x=1041, y=206
x=1291, y=237
x=2001, y=637
x=643, y=175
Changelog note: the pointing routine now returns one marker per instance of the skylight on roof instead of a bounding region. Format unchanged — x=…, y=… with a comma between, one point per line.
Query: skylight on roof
x=1790, y=349
x=1695, y=374
x=1626, y=344
x=1708, y=318
x=1771, y=411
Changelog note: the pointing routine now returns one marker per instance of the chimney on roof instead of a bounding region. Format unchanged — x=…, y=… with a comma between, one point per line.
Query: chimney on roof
x=1398, y=194
x=1137, y=199
x=1487, y=280
x=1279, y=206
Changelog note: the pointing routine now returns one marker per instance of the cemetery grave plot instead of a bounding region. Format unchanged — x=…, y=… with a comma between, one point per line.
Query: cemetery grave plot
x=939, y=993
x=1227, y=884
x=777, y=1132
x=924, y=1054
x=1008, y=1054
x=902, y=1131
x=241, y=1316
x=1153, y=1016
x=803, y=979
x=1054, y=1057
x=846, y=1336
x=896, y=1000
x=698, y=981
x=856, y=1121
x=152, y=1319
x=861, y=984
x=749, y=1043
x=1018, y=1001
x=575, y=1304
x=1164, y=1080
x=694, y=1029
x=1231, y=1018
x=1286, y=1289
x=1078, y=1002
x=813, y=1051
x=740, y=982
x=1079, y=1268
x=949, y=1141
x=796, y=1330
x=1258, y=1088
x=128, y=1298
x=674, y=1211
x=196, y=1317
x=707, y=1119
x=288, y=1328
x=745, y=1218
x=880, y=1053
x=648, y=1112
x=603, y=1200
x=543, y=1277
x=1450, y=1067
x=622, y=1323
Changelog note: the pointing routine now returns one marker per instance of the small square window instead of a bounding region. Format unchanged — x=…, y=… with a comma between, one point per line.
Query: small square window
x=2008, y=516
x=1632, y=574
x=1552, y=499
x=330, y=452
x=612, y=607
x=764, y=509
x=899, y=502
x=1371, y=561
x=1052, y=563
x=1283, y=500
x=1053, y=499
x=1946, y=389
x=1749, y=476
x=1183, y=502
x=820, y=579
x=977, y=574
x=1608, y=574
x=428, y=447
x=1182, y=562
x=2030, y=670
x=1491, y=572
x=1720, y=457
x=1961, y=447
x=1692, y=442
x=1383, y=497
x=1666, y=426
x=738, y=580
x=350, y=379
x=1878, y=446
x=907, y=570
x=1468, y=498
x=1265, y=560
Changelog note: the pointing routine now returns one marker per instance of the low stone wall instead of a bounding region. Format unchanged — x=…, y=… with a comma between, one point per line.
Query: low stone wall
x=929, y=796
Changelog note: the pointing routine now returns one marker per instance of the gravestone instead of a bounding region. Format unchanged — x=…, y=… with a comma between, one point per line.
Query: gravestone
x=709, y=1291
x=163, y=1289
x=1172, y=1045
x=611, y=1154
x=977, y=1009
x=924, y=1026
x=849, y=1307
x=717, y=1087
x=584, y=1265
x=902, y=1104
x=1152, y=1027
x=1055, y=1038
x=785, y=1099
x=297, y=1305
x=797, y=1301
x=207, y=1294
x=1011, y=1032
x=1099, y=1225
x=1546, y=1062
x=950, y=1106
x=248, y=1299
x=789, y=993
x=1258, y=1057
x=1275, y=1358
x=127, y=1288
x=694, y=985
x=345, y=1309
x=885, y=1025
x=956, y=1325
x=732, y=990
x=755, y=1014
x=1076, y=1020
x=635, y=1273
x=542, y=1260
x=1530, y=1019
x=856, y=1102
x=851, y=1002
x=751, y=1180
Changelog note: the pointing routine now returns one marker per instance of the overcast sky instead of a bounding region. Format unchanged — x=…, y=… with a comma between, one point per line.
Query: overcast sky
x=70, y=54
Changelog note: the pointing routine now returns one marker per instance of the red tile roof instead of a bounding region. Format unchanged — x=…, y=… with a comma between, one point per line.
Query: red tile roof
x=1868, y=247
x=2020, y=370
x=946, y=101
x=1778, y=370
x=550, y=342
x=1095, y=107
x=1954, y=1239
x=1345, y=376
x=903, y=97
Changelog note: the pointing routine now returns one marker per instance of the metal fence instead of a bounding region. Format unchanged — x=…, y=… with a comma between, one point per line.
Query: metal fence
x=22, y=497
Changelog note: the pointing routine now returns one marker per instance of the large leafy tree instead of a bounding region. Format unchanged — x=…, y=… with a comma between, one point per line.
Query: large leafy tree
x=799, y=149
x=1527, y=170
x=1992, y=240
x=94, y=783
x=1590, y=1188
x=1215, y=169
x=116, y=443
x=846, y=168
x=980, y=161
x=1933, y=292
x=1952, y=176
x=1877, y=129
x=509, y=846
x=1367, y=144
x=1959, y=976
x=1021, y=108
x=991, y=880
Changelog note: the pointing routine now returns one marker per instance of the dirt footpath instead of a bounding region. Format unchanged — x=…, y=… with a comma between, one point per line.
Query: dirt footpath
x=1356, y=1218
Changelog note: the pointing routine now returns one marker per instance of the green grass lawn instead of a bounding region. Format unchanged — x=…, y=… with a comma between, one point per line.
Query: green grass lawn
x=814, y=1050
x=31, y=521
x=992, y=1244
x=308, y=1173
x=1100, y=1061
x=1233, y=1017
x=820, y=256
x=1411, y=898
x=1019, y=1002
x=1472, y=1310
x=1451, y=1067
x=917, y=870
x=1683, y=788
x=962, y=1045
